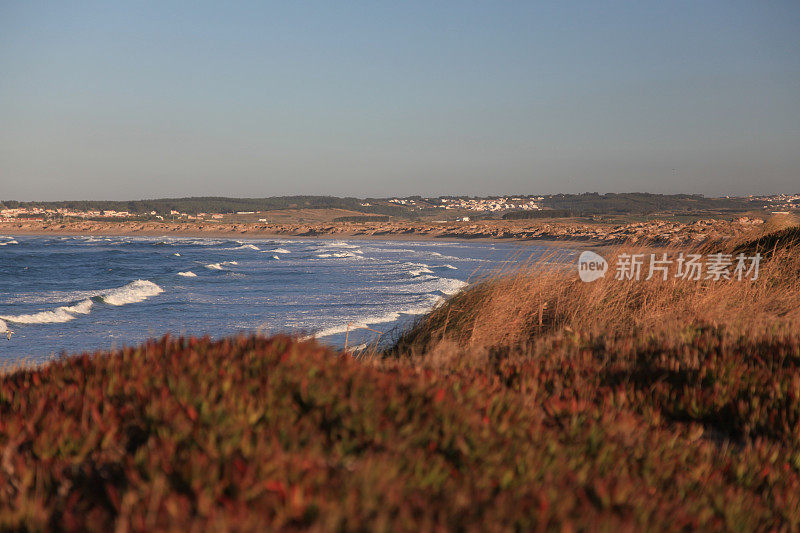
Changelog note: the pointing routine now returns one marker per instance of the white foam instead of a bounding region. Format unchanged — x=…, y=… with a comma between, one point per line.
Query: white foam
x=451, y=286
x=357, y=324
x=8, y=242
x=340, y=244
x=83, y=307
x=44, y=317
x=3, y=327
x=51, y=297
x=339, y=255
x=280, y=251
x=136, y=291
x=201, y=242
x=187, y=274
x=418, y=269
x=247, y=247
x=221, y=265
x=451, y=267
x=419, y=308
x=176, y=254
x=430, y=285
x=451, y=257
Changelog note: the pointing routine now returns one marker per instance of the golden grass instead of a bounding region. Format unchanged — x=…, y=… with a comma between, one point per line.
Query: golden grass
x=525, y=300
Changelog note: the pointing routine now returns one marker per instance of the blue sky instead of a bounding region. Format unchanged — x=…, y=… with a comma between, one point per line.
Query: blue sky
x=130, y=100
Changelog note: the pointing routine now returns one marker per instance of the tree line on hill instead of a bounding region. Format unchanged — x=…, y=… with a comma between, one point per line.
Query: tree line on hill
x=194, y=205
x=556, y=205
x=642, y=203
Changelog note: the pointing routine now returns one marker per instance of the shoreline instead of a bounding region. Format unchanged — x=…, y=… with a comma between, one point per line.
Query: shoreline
x=653, y=235
x=257, y=235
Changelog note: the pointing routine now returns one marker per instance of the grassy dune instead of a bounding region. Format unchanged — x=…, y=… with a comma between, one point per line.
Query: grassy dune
x=532, y=401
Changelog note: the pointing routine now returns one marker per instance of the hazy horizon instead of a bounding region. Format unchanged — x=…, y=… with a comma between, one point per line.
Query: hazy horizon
x=510, y=194
x=163, y=100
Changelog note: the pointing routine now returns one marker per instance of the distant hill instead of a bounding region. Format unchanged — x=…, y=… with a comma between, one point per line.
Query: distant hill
x=642, y=203
x=216, y=204
x=575, y=204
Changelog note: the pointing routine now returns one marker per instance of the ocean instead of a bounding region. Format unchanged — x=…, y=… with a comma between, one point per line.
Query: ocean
x=87, y=293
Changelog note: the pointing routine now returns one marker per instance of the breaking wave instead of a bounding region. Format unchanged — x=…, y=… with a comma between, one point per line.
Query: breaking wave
x=221, y=265
x=83, y=307
x=354, y=255
x=371, y=320
x=45, y=317
x=340, y=244
x=187, y=274
x=58, y=315
x=422, y=269
x=133, y=292
x=432, y=284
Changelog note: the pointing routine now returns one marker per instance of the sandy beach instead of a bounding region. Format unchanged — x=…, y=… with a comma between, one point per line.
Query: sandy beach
x=645, y=233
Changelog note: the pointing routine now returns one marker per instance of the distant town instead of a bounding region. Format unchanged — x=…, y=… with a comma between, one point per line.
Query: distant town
x=461, y=207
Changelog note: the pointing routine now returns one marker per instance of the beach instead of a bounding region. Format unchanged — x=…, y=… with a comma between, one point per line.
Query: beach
x=656, y=232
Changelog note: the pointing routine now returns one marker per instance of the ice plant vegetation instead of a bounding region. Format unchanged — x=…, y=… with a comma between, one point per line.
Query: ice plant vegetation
x=533, y=400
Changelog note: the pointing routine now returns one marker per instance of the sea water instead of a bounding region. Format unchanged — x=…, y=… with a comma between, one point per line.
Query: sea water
x=73, y=294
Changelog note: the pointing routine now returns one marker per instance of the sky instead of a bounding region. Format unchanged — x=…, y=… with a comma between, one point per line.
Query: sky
x=129, y=100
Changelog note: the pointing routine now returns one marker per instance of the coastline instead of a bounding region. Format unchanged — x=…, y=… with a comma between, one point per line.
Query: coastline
x=652, y=234
x=184, y=230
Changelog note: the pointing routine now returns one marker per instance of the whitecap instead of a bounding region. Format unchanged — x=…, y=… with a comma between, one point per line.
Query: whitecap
x=221, y=265
x=430, y=285
x=136, y=291
x=339, y=255
x=357, y=324
x=83, y=307
x=51, y=297
x=247, y=247
x=44, y=317
x=187, y=274
x=279, y=251
x=340, y=244
x=418, y=269
x=364, y=322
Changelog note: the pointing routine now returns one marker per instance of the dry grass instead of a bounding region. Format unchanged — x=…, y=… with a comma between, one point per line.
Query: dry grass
x=523, y=302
